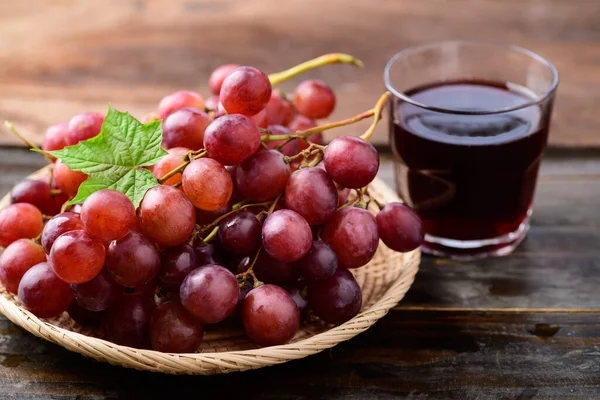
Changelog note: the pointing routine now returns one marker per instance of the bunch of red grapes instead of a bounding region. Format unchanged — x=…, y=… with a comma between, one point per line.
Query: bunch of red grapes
x=252, y=223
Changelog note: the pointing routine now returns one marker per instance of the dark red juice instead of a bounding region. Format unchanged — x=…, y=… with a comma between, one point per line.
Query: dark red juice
x=470, y=177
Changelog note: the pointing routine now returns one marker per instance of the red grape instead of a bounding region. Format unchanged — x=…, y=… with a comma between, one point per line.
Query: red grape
x=56, y=137
x=175, y=264
x=261, y=119
x=133, y=260
x=351, y=161
x=295, y=292
x=246, y=90
x=43, y=293
x=263, y=176
x=108, y=215
x=16, y=259
x=177, y=101
x=97, y=294
x=337, y=299
x=218, y=75
x=290, y=148
x=269, y=270
x=279, y=110
x=185, y=128
x=210, y=293
x=286, y=236
x=57, y=225
x=168, y=163
x=77, y=257
x=207, y=253
x=352, y=234
x=207, y=184
x=35, y=192
x=311, y=193
x=166, y=216
x=314, y=99
x=240, y=233
x=319, y=263
x=270, y=316
x=19, y=221
x=174, y=330
x=231, y=139
x=68, y=180
x=343, y=195
x=212, y=103
x=302, y=123
x=127, y=322
x=83, y=127
x=400, y=227
x=84, y=317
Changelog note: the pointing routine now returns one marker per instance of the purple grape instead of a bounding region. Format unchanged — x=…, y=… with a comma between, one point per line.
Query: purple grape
x=240, y=233
x=97, y=294
x=176, y=263
x=337, y=299
x=319, y=263
x=174, y=330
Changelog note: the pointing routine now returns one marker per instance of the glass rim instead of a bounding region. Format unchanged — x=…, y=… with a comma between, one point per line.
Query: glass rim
x=414, y=49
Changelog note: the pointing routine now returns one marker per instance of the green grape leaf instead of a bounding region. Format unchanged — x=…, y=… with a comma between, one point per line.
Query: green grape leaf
x=114, y=159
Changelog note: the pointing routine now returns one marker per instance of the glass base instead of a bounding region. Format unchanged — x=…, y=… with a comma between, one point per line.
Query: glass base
x=465, y=250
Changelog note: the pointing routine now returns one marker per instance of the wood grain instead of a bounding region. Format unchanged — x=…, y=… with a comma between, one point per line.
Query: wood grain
x=58, y=58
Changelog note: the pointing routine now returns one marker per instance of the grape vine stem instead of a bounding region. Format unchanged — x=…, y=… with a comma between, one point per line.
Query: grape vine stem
x=326, y=59
x=194, y=155
x=9, y=125
x=377, y=113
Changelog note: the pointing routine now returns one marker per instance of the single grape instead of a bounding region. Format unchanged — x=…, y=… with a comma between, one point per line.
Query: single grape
x=212, y=103
x=288, y=149
x=337, y=299
x=210, y=293
x=17, y=259
x=269, y=270
x=108, y=215
x=166, y=216
x=185, y=128
x=55, y=137
x=83, y=127
x=97, y=294
x=205, y=217
x=218, y=75
x=43, y=293
x=239, y=264
x=174, y=330
x=231, y=139
x=208, y=253
x=270, y=316
x=168, y=163
x=245, y=90
x=279, y=110
x=127, y=322
x=77, y=257
x=286, y=236
x=261, y=120
x=263, y=176
x=302, y=123
x=207, y=184
x=177, y=101
x=236, y=195
x=311, y=193
x=68, y=180
x=400, y=227
x=296, y=293
x=19, y=221
x=57, y=201
x=352, y=234
x=175, y=264
x=133, y=260
x=351, y=161
x=84, y=317
x=240, y=233
x=343, y=195
x=35, y=192
x=319, y=263
x=314, y=99
x=57, y=225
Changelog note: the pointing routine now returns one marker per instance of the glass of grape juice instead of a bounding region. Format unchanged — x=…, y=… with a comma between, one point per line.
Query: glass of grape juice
x=468, y=125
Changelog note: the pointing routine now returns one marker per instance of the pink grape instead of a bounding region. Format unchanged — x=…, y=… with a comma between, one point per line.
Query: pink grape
x=68, y=180
x=240, y=233
x=77, y=257
x=311, y=193
x=400, y=227
x=17, y=259
x=286, y=236
x=270, y=316
x=128, y=321
x=97, y=294
x=263, y=176
x=19, y=221
x=351, y=161
x=185, y=128
x=57, y=225
x=175, y=264
x=337, y=299
x=290, y=148
x=168, y=163
x=218, y=75
x=279, y=110
x=133, y=260
x=245, y=90
x=314, y=99
x=166, y=216
x=108, y=215
x=207, y=184
x=55, y=137
x=83, y=127
x=352, y=234
x=174, y=330
x=43, y=293
x=231, y=139
x=260, y=119
x=177, y=101
x=319, y=263
x=302, y=123
x=212, y=103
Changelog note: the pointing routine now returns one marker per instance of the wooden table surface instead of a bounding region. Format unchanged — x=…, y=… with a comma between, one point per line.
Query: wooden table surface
x=62, y=57
x=525, y=326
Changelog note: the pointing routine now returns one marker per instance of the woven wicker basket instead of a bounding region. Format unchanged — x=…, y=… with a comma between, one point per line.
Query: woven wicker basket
x=384, y=282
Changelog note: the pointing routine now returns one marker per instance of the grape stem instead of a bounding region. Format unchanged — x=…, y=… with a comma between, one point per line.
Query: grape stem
x=326, y=59
x=192, y=155
x=212, y=235
x=236, y=207
x=9, y=125
x=377, y=113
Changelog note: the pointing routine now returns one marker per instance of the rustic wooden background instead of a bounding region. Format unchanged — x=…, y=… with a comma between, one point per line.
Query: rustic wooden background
x=61, y=57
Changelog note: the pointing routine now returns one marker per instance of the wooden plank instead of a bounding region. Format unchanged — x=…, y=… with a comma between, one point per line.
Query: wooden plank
x=63, y=57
